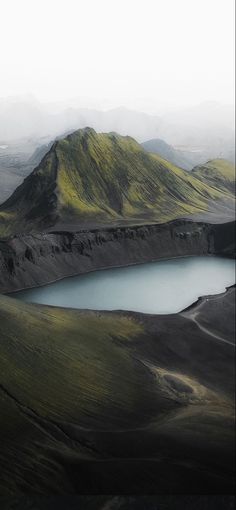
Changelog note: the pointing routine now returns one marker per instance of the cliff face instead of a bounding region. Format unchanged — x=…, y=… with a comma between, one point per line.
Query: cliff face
x=31, y=260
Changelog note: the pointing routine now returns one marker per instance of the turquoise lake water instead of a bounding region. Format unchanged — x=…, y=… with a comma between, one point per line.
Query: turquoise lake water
x=158, y=287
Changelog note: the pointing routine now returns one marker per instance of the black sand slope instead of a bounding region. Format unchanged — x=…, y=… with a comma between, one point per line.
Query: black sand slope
x=114, y=502
x=117, y=402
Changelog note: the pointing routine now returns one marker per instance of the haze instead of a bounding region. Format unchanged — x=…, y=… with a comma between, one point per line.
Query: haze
x=146, y=55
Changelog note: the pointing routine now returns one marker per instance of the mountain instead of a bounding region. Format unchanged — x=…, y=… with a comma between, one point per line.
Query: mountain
x=17, y=160
x=218, y=173
x=26, y=117
x=39, y=154
x=89, y=178
x=197, y=134
x=166, y=151
x=208, y=126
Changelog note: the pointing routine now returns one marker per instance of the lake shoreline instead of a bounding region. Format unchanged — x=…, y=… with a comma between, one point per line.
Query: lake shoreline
x=179, y=375
x=120, y=266
x=34, y=260
x=159, y=287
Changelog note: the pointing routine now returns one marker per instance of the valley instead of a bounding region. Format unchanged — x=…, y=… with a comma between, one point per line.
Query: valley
x=115, y=402
x=117, y=255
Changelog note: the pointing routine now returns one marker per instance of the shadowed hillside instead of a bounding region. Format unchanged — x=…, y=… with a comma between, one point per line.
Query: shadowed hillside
x=106, y=502
x=116, y=403
x=89, y=178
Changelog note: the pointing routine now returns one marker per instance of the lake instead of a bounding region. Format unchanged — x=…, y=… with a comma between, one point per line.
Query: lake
x=162, y=287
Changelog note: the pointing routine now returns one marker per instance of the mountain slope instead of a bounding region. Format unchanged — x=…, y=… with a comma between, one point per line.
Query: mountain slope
x=116, y=402
x=89, y=178
x=166, y=151
x=219, y=173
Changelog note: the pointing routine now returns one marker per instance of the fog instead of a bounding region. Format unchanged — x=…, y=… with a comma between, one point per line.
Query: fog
x=148, y=55
x=149, y=69
x=209, y=123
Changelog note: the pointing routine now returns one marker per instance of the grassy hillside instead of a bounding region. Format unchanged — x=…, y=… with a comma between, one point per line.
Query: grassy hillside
x=218, y=173
x=112, y=403
x=91, y=178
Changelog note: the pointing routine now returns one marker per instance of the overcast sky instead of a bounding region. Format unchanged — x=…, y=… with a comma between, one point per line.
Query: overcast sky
x=118, y=52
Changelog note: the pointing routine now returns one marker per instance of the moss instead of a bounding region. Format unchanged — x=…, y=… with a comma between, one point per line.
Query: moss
x=61, y=366
x=99, y=177
x=219, y=167
x=73, y=354
x=218, y=173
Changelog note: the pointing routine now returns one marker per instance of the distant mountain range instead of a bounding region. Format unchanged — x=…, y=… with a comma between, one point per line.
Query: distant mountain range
x=208, y=126
x=183, y=159
x=187, y=138
x=89, y=178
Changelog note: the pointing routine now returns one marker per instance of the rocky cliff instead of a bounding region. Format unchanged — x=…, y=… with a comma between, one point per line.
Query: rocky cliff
x=30, y=260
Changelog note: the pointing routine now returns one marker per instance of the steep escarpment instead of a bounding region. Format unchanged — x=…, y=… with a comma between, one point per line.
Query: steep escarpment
x=34, y=201
x=35, y=259
x=96, y=179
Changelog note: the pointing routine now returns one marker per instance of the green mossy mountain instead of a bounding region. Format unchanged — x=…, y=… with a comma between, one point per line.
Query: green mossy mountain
x=91, y=178
x=218, y=173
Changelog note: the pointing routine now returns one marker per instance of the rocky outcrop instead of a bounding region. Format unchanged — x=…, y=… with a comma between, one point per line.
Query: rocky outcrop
x=30, y=260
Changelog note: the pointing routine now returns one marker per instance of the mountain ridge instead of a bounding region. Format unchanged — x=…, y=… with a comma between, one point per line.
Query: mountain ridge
x=218, y=173
x=168, y=152
x=93, y=178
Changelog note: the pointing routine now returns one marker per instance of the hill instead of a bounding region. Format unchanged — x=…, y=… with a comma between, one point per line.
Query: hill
x=17, y=161
x=218, y=173
x=166, y=151
x=116, y=402
x=92, y=179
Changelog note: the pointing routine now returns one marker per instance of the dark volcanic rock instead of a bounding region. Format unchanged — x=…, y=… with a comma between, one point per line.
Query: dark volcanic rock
x=30, y=260
x=173, y=502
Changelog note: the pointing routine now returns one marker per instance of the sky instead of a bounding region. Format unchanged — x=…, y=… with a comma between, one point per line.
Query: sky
x=141, y=54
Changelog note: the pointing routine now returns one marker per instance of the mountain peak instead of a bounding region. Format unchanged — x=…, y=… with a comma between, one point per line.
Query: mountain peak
x=90, y=178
